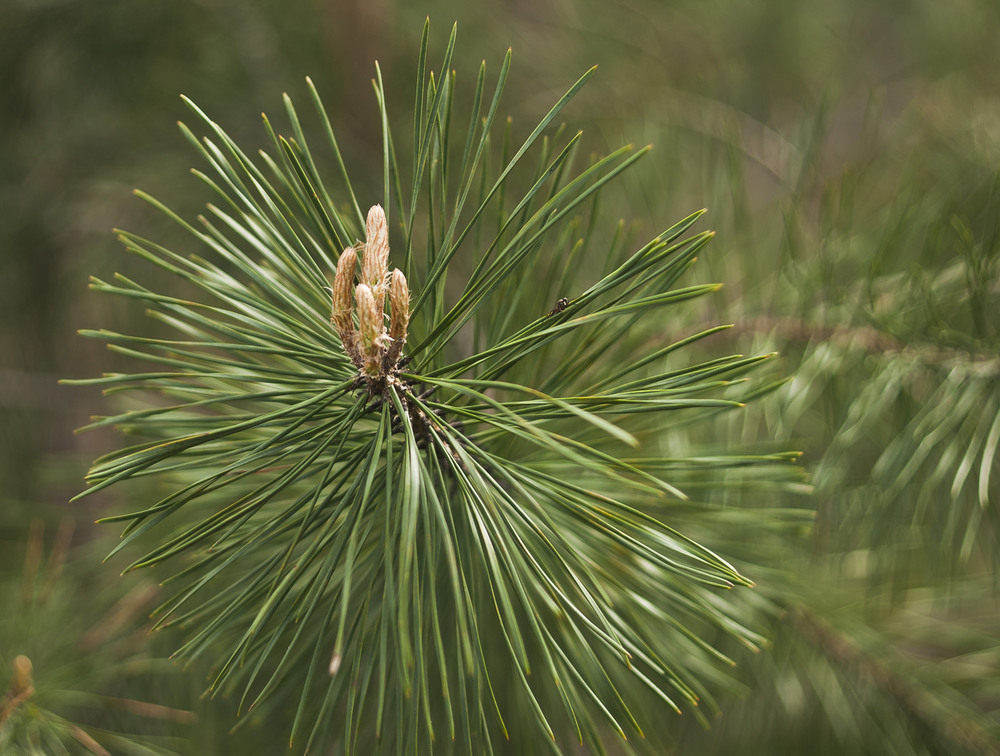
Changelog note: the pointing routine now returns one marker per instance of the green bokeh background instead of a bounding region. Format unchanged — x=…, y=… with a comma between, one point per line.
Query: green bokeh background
x=831, y=142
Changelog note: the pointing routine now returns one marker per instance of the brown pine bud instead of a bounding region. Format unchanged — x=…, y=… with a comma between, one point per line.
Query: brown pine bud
x=375, y=263
x=343, y=286
x=343, y=304
x=22, y=682
x=399, y=301
x=371, y=330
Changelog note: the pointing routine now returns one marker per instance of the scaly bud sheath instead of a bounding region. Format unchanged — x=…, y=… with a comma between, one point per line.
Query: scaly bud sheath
x=375, y=263
x=343, y=304
x=399, y=301
x=343, y=286
x=372, y=329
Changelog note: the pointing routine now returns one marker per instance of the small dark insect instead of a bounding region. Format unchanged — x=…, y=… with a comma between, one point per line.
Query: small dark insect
x=561, y=304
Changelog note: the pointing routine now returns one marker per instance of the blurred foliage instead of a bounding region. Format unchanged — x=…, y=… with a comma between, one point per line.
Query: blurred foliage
x=56, y=637
x=848, y=153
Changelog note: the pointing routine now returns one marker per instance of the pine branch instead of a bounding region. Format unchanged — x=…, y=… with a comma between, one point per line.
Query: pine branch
x=418, y=542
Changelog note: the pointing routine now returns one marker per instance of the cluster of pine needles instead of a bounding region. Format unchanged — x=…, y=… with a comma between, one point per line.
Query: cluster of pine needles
x=445, y=523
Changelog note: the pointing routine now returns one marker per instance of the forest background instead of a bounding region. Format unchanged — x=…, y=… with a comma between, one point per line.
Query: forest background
x=848, y=155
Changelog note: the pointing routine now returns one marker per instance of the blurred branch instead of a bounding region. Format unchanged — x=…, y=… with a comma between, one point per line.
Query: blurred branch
x=961, y=728
x=803, y=331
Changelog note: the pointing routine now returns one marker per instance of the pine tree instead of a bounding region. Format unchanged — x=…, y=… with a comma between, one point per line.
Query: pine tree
x=853, y=184
x=429, y=485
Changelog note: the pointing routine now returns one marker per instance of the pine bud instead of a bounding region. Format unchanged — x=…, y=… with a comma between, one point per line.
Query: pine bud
x=375, y=263
x=399, y=301
x=343, y=305
x=22, y=682
x=372, y=329
x=343, y=285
